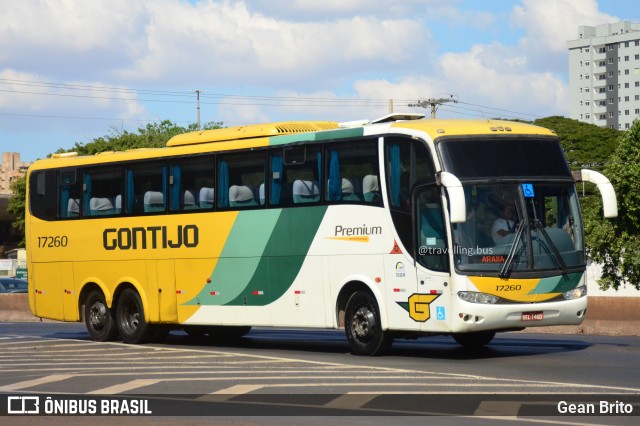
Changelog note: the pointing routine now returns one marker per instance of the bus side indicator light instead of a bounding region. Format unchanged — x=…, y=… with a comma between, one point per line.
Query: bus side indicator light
x=181, y=292
x=215, y=293
x=378, y=280
x=258, y=292
x=435, y=291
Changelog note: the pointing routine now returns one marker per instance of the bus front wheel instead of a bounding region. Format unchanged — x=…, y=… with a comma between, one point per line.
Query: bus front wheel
x=474, y=340
x=363, y=326
x=130, y=318
x=98, y=318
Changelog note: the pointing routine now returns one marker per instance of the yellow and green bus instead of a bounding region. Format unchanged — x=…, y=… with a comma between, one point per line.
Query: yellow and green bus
x=400, y=227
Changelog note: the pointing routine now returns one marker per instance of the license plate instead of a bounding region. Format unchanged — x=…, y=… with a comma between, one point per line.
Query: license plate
x=532, y=316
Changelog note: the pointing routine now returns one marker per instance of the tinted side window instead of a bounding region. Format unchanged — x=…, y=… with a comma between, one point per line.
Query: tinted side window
x=352, y=173
x=192, y=184
x=432, y=239
x=408, y=164
x=241, y=178
x=102, y=195
x=146, y=188
x=295, y=176
x=70, y=193
x=43, y=194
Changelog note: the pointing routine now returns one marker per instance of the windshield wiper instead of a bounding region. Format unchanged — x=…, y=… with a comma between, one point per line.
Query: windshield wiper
x=563, y=266
x=512, y=251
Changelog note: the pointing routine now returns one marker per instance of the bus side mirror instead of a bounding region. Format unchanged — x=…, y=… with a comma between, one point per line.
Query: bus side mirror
x=608, y=194
x=457, y=205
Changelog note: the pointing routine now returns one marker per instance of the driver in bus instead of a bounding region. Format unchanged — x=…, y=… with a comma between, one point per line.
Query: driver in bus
x=503, y=225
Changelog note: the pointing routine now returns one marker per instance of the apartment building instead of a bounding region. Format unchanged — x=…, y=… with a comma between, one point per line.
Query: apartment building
x=604, y=75
x=10, y=169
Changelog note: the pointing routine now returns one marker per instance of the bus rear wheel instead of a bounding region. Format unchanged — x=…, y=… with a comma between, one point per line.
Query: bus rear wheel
x=98, y=318
x=474, y=340
x=130, y=318
x=363, y=326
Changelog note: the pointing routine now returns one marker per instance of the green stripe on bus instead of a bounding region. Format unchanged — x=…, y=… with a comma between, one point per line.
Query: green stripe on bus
x=240, y=256
x=284, y=255
x=558, y=284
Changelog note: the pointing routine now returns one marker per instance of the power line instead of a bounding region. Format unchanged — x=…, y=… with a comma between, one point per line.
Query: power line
x=240, y=100
x=65, y=86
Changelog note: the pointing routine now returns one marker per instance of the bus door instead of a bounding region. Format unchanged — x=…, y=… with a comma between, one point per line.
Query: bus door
x=430, y=304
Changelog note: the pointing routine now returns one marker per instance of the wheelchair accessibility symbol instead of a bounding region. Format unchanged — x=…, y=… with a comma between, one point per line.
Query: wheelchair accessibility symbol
x=527, y=190
x=440, y=315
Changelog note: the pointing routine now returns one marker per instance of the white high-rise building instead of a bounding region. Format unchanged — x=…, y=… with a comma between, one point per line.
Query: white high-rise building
x=604, y=75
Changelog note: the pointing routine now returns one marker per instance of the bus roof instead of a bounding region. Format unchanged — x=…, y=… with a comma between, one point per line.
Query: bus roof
x=251, y=131
x=458, y=127
x=433, y=127
x=280, y=133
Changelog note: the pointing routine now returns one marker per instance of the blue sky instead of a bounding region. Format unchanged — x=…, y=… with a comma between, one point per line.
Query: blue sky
x=75, y=70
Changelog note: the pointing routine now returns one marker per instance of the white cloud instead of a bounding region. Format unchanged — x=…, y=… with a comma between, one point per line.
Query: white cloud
x=69, y=38
x=480, y=79
x=227, y=43
x=27, y=94
x=314, y=10
x=551, y=23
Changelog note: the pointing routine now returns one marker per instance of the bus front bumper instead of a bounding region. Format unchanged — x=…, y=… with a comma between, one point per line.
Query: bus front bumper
x=470, y=317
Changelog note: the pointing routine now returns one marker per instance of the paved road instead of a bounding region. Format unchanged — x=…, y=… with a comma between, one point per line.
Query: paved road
x=311, y=372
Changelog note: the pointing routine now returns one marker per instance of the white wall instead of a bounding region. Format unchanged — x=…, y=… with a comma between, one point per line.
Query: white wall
x=594, y=271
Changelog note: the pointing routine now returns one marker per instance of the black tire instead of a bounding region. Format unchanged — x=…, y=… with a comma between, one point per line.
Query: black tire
x=474, y=340
x=363, y=326
x=130, y=318
x=98, y=318
x=227, y=332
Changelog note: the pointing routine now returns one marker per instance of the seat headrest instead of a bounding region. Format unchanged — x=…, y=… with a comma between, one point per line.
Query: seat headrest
x=189, y=198
x=370, y=183
x=238, y=193
x=206, y=194
x=305, y=187
x=153, y=197
x=73, y=206
x=347, y=186
x=100, y=204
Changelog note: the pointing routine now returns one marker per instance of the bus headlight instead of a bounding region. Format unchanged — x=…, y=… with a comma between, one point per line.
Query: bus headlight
x=575, y=293
x=475, y=297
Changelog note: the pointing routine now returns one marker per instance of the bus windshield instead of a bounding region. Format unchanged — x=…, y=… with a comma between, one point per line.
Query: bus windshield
x=519, y=227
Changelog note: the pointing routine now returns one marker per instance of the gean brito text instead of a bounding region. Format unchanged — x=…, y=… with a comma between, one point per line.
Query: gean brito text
x=151, y=237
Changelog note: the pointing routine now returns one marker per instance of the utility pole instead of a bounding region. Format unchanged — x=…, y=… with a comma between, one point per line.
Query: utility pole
x=390, y=106
x=197, y=92
x=433, y=103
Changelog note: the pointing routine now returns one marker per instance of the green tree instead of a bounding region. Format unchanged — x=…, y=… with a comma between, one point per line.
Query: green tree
x=17, y=204
x=585, y=145
x=616, y=243
x=153, y=135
